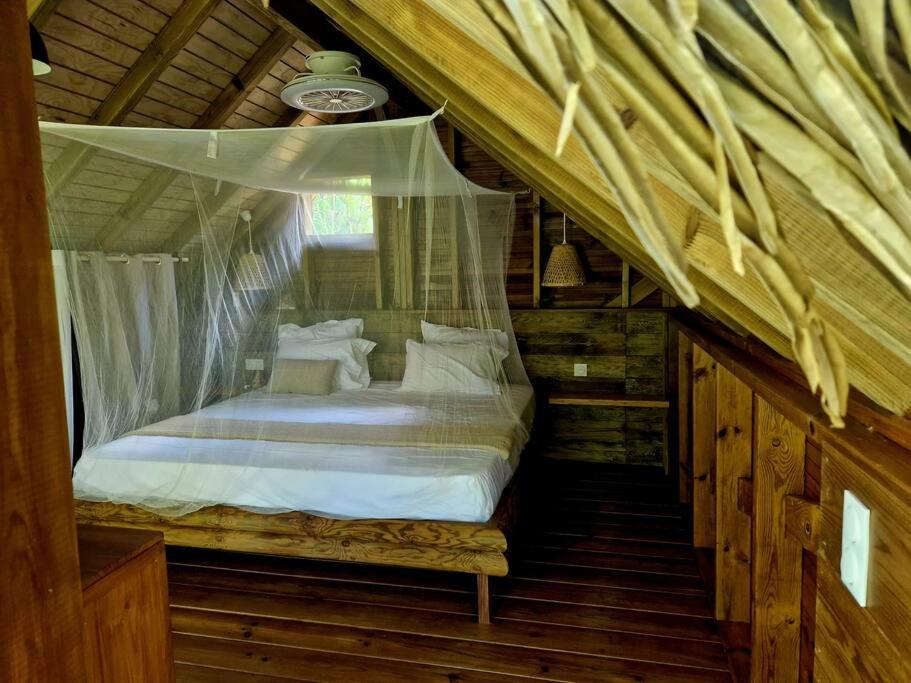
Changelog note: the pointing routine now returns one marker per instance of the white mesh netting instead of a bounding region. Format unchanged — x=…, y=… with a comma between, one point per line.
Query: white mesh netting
x=248, y=308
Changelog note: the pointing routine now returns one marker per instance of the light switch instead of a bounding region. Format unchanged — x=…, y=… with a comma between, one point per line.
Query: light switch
x=855, y=547
x=580, y=370
x=253, y=363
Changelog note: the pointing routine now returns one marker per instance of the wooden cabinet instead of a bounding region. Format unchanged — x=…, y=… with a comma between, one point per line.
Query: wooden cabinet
x=126, y=619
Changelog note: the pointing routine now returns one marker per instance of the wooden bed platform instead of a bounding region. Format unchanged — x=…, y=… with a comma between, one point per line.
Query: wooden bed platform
x=474, y=548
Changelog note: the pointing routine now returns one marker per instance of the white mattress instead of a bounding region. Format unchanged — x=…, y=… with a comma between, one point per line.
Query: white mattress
x=333, y=480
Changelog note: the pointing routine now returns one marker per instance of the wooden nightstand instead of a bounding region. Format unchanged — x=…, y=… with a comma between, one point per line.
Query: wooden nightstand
x=126, y=616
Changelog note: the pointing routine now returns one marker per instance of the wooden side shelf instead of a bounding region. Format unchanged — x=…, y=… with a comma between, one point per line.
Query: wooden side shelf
x=595, y=398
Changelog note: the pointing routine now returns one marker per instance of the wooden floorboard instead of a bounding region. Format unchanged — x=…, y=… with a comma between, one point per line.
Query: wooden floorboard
x=603, y=586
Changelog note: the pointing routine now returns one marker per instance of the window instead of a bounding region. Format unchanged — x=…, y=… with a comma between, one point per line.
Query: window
x=336, y=215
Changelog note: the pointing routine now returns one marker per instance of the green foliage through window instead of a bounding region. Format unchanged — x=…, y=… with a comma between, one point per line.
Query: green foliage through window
x=342, y=214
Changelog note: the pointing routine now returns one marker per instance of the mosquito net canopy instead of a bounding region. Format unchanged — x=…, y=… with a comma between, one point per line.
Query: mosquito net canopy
x=303, y=319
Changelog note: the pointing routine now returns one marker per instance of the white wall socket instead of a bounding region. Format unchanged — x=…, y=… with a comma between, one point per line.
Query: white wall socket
x=580, y=370
x=253, y=364
x=855, y=547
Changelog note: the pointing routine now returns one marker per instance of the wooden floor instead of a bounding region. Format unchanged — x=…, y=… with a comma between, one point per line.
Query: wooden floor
x=604, y=587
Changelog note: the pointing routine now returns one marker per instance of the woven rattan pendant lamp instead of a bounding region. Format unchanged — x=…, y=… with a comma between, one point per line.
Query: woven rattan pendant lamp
x=564, y=269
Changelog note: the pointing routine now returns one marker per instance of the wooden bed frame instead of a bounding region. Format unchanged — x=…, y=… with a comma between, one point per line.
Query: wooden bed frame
x=474, y=548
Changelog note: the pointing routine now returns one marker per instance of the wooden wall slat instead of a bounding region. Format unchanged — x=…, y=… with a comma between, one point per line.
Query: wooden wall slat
x=734, y=456
x=685, y=416
x=888, y=610
x=703, y=448
x=778, y=464
x=850, y=648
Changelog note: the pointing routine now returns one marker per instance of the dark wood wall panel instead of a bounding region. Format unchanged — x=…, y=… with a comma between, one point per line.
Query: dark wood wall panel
x=625, y=354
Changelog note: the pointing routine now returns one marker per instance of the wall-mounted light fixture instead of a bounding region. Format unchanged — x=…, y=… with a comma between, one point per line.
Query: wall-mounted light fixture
x=252, y=274
x=41, y=64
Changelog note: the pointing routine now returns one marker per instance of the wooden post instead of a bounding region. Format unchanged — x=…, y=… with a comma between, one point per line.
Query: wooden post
x=455, y=206
x=624, y=285
x=40, y=589
x=483, y=599
x=685, y=415
x=778, y=471
x=377, y=253
x=536, y=248
x=733, y=461
x=703, y=449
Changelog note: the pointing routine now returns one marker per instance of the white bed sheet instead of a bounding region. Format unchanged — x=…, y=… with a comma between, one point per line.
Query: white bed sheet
x=332, y=480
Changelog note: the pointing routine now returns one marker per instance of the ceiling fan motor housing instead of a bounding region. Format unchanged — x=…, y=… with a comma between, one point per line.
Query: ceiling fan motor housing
x=333, y=86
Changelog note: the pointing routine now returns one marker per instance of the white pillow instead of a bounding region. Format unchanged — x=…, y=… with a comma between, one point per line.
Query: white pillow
x=442, y=334
x=448, y=368
x=350, y=373
x=352, y=328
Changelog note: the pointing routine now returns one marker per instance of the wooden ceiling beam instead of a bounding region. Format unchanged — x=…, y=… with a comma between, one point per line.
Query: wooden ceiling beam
x=153, y=61
x=637, y=293
x=39, y=11
x=215, y=116
x=134, y=85
x=252, y=73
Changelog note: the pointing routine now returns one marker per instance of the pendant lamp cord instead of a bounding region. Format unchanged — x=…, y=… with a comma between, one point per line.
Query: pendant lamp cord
x=250, y=234
x=564, y=228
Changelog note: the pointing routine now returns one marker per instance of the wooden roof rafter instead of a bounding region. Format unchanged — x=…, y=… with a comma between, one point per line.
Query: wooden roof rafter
x=39, y=11
x=134, y=85
x=215, y=116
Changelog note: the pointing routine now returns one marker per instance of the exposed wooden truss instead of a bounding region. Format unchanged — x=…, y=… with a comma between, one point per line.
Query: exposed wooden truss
x=214, y=117
x=146, y=76
x=40, y=10
x=637, y=293
x=127, y=93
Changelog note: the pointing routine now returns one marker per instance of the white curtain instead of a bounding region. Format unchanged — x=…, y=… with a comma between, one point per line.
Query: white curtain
x=61, y=294
x=127, y=330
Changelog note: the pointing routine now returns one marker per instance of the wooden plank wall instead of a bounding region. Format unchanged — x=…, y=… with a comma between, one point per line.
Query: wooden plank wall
x=872, y=643
x=779, y=486
x=625, y=354
x=625, y=349
x=734, y=455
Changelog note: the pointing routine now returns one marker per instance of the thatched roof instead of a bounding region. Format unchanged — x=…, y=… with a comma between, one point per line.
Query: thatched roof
x=788, y=105
x=746, y=156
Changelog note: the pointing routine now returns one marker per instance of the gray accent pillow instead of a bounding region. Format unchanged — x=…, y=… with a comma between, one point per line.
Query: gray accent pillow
x=299, y=376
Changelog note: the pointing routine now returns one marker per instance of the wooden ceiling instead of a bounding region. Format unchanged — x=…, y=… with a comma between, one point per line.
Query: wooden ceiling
x=164, y=64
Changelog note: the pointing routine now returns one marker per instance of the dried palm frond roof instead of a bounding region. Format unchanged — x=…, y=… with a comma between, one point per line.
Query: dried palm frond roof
x=782, y=123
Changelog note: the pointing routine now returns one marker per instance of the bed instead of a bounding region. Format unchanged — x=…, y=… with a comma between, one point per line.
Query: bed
x=305, y=460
